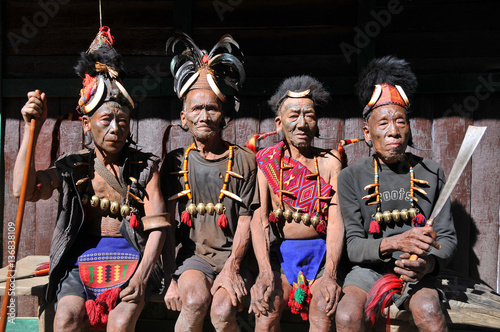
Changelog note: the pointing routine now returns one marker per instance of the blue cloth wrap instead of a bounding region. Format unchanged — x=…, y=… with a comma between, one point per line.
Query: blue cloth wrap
x=301, y=255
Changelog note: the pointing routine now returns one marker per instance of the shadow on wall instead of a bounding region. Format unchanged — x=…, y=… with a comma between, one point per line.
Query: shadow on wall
x=465, y=261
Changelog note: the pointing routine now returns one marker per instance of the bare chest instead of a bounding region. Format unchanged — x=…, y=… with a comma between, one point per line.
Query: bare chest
x=101, y=219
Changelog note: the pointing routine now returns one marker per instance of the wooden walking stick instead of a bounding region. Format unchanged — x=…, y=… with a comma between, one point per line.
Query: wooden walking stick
x=17, y=233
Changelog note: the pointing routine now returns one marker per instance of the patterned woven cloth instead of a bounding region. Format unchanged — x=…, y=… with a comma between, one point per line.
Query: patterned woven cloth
x=110, y=264
x=295, y=180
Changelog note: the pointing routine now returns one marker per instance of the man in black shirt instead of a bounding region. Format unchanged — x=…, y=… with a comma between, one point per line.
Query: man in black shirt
x=382, y=196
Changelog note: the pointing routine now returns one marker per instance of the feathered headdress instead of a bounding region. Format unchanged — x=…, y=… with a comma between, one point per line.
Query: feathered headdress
x=220, y=71
x=101, y=68
x=386, y=80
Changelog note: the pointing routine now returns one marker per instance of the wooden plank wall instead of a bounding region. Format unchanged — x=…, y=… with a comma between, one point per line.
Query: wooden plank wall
x=453, y=49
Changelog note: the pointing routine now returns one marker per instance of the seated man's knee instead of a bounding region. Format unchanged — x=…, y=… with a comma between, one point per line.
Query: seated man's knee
x=196, y=301
x=271, y=320
x=120, y=323
x=268, y=322
x=350, y=310
x=194, y=292
x=425, y=305
x=69, y=314
x=317, y=307
x=346, y=316
x=124, y=316
x=318, y=318
x=222, y=310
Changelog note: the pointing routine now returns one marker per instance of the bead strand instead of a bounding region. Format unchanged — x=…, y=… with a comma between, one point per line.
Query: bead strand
x=226, y=178
x=209, y=208
x=395, y=215
x=318, y=181
x=184, y=168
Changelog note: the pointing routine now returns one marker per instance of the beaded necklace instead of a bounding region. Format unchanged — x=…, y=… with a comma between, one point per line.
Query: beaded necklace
x=388, y=216
x=282, y=213
x=201, y=208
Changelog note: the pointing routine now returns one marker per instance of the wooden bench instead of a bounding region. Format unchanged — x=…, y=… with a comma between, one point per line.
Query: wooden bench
x=473, y=306
x=31, y=287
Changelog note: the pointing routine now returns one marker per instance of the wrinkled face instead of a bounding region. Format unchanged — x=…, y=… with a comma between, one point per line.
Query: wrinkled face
x=298, y=121
x=389, y=129
x=109, y=127
x=202, y=114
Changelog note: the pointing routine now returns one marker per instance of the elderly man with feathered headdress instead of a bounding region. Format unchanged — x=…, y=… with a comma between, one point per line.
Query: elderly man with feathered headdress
x=299, y=202
x=384, y=199
x=112, y=217
x=213, y=184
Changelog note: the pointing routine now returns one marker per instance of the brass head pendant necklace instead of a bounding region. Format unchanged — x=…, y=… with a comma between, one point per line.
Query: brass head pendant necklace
x=201, y=208
x=112, y=207
x=395, y=215
x=282, y=213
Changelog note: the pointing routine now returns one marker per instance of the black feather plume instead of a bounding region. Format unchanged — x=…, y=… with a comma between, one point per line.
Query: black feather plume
x=105, y=55
x=388, y=69
x=225, y=61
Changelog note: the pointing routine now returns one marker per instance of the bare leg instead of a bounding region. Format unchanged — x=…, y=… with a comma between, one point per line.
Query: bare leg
x=271, y=322
x=194, y=289
x=222, y=312
x=350, y=311
x=124, y=316
x=318, y=320
x=69, y=314
x=426, y=310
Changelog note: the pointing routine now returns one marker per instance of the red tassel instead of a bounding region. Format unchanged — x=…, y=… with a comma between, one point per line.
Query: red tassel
x=112, y=297
x=321, y=228
x=98, y=310
x=340, y=149
x=133, y=221
x=272, y=218
x=186, y=218
x=103, y=314
x=106, y=31
x=43, y=272
x=222, y=221
x=380, y=296
x=343, y=155
x=42, y=266
x=374, y=227
x=300, y=308
x=292, y=303
x=419, y=220
x=91, y=309
x=251, y=144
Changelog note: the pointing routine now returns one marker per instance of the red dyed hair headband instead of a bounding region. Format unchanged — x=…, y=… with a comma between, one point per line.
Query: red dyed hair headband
x=385, y=94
